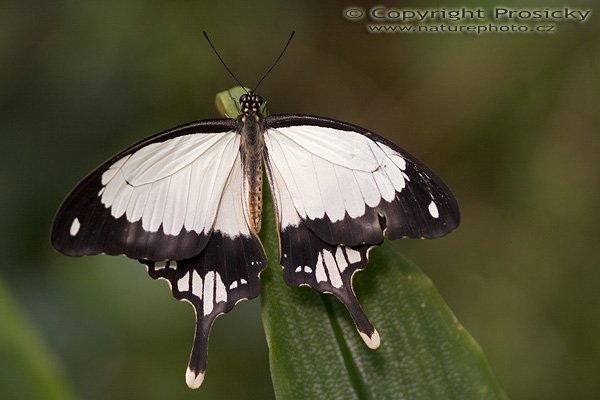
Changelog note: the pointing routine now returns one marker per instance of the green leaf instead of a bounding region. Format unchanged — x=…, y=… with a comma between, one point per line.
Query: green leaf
x=27, y=368
x=227, y=101
x=316, y=353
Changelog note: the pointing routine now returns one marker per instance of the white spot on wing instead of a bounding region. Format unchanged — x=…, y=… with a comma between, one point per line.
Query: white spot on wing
x=197, y=284
x=209, y=290
x=353, y=255
x=221, y=291
x=433, y=210
x=320, y=272
x=214, y=291
x=183, y=284
x=159, y=265
x=75, y=225
x=340, y=259
x=332, y=269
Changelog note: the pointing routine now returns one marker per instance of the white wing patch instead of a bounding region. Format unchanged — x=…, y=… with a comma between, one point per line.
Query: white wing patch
x=232, y=218
x=330, y=267
x=75, y=225
x=211, y=290
x=287, y=215
x=178, y=183
x=325, y=171
x=433, y=210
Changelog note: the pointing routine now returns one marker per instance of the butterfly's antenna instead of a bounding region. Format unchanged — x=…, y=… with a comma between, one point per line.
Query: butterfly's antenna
x=223, y=62
x=276, y=61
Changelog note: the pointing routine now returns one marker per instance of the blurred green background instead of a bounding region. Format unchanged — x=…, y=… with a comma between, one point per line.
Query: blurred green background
x=510, y=121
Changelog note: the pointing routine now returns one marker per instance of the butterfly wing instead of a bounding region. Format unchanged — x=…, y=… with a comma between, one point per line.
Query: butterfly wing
x=175, y=201
x=338, y=189
x=156, y=200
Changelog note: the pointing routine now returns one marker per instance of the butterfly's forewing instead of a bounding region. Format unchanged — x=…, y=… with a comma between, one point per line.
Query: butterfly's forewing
x=338, y=188
x=140, y=203
x=175, y=201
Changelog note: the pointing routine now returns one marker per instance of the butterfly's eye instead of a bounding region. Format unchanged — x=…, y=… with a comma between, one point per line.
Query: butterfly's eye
x=243, y=98
x=258, y=99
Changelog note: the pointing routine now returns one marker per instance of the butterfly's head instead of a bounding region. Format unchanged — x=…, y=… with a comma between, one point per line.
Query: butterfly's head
x=250, y=103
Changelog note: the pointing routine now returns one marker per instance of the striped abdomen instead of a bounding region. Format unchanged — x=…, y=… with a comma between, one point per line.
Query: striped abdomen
x=254, y=173
x=252, y=152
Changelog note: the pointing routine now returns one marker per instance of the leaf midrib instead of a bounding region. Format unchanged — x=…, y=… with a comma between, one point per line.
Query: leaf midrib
x=358, y=383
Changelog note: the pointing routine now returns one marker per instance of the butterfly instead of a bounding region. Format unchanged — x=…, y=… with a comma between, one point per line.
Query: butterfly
x=187, y=203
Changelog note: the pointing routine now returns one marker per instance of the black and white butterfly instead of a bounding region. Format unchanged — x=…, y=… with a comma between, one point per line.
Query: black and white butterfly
x=187, y=203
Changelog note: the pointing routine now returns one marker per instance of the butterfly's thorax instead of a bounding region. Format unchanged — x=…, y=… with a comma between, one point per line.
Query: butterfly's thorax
x=252, y=147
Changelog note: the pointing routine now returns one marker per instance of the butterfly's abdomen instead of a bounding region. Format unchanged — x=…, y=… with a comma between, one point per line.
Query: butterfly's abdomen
x=255, y=193
x=252, y=152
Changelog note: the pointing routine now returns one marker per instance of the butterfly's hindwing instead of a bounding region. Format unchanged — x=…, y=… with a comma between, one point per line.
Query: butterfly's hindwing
x=210, y=200
x=156, y=200
x=308, y=261
x=225, y=272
